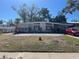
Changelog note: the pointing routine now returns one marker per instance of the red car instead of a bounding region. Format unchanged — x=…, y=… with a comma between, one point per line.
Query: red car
x=72, y=31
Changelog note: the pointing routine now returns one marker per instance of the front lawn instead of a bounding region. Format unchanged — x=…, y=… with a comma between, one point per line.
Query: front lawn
x=11, y=43
x=72, y=40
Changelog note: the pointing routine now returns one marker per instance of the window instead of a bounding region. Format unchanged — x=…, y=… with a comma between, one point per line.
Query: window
x=48, y=26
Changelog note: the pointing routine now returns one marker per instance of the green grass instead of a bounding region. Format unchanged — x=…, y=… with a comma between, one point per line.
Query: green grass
x=72, y=40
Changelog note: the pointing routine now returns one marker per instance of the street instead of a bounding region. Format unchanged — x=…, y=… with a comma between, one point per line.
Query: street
x=30, y=55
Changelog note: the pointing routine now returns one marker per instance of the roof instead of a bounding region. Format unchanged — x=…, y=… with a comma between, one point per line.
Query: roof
x=31, y=23
x=74, y=22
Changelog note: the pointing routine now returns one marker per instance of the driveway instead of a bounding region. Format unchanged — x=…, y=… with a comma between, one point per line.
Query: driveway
x=30, y=55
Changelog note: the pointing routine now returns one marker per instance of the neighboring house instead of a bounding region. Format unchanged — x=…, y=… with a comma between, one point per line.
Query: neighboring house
x=41, y=27
x=7, y=28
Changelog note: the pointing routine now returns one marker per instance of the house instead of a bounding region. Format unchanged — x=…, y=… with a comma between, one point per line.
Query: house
x=41, y=27
x=7, y=28
x=37, y=27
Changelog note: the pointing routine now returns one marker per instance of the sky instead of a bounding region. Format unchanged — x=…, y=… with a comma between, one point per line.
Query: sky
x=6, y=12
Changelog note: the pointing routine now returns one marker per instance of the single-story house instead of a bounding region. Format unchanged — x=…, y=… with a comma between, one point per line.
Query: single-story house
x=37, y=27
x=41, y=27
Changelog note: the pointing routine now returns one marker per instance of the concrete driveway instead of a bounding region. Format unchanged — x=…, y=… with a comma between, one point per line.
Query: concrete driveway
x=28, y=55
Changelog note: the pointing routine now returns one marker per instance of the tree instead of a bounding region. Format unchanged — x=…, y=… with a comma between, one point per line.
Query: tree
x=44, y=14
x=32, y=13
x=52, y=19
x=60, y=19
x=1, y=21
x=72, y=6
x=10, y=22
x=17, y=21
x=22, y=12
x=27, y=14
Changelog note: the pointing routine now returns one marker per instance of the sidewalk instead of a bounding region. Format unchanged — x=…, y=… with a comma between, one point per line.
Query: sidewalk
x=38, y=35
x=28, y=55
x=73, y=36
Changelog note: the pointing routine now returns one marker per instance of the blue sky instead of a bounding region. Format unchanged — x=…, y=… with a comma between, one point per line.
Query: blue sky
x=54, y=6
